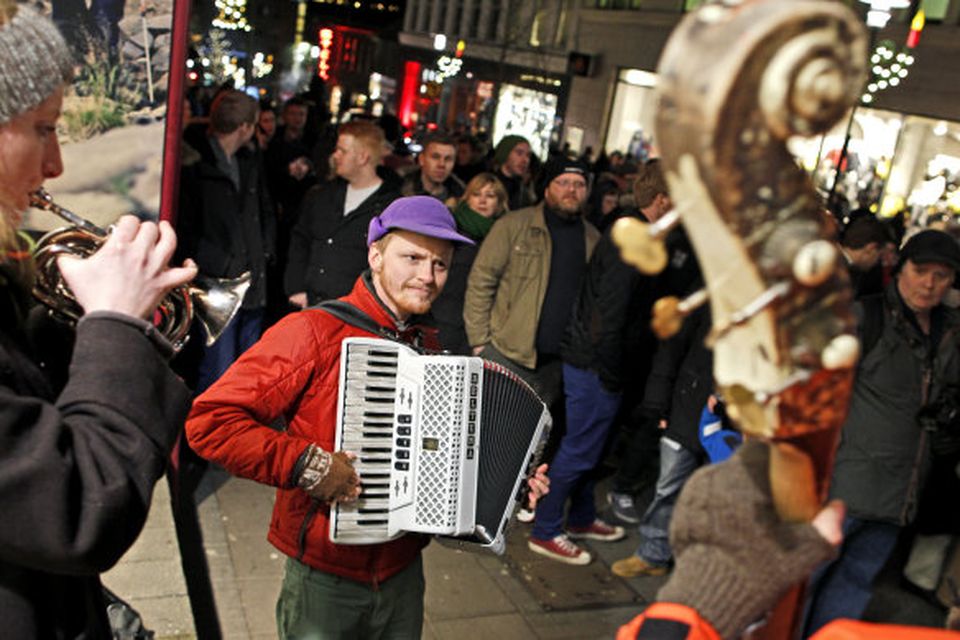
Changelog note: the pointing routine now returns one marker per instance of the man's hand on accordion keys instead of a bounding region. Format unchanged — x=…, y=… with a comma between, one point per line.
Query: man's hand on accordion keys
x=329, y=477
x=539, y=484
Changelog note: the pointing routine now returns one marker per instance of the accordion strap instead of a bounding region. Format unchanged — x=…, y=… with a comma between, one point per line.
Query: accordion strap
x=346, y=312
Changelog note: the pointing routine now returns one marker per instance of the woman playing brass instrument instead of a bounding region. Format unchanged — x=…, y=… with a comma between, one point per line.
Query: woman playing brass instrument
x=77, y=464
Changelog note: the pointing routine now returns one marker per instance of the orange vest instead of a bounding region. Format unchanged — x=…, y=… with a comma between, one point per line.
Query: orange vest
x=678, y=616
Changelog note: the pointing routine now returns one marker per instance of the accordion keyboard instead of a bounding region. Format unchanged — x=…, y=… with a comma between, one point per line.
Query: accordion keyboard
x=443, y=443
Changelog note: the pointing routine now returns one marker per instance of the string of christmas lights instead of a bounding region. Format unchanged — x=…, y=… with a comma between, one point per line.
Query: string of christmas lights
x=232, y=16
x=890, y=66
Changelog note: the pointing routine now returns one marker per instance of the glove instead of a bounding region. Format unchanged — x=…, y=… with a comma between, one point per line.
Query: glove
x=329, y=477
x=735, y=557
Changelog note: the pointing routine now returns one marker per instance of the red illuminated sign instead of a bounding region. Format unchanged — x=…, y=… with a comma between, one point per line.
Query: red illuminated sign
x=326, y=43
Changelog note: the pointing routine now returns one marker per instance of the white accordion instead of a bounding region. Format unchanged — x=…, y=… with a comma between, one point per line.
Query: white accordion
x=444, y=444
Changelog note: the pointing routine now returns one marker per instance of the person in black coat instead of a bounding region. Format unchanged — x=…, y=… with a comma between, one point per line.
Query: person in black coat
x=627, y=361
x=679, y=385
x=328, y=246
x=226, y=222
x=77, y=464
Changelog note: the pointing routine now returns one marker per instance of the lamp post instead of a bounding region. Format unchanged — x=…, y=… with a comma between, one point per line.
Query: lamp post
x=878, y=15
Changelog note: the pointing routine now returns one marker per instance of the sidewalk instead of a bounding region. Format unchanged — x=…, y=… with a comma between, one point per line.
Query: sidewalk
x=468, y=595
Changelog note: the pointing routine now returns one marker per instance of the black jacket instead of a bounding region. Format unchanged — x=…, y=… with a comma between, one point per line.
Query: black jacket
x=884, y=454
x=609, y=330
x=453, y=188
x=328, y=250
x=77, y=469
x=226, y=230
x=681, y=380
x=447, y=310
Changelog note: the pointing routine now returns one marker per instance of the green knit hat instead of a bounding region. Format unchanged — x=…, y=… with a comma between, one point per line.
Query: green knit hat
x=505, y=146
x=34, y=59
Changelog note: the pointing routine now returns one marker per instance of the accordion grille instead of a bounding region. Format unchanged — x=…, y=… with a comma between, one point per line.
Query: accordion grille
x=439, y=471
x=511, y=414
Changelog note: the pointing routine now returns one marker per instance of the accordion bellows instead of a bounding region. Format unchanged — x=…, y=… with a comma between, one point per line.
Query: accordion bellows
x=444, y=444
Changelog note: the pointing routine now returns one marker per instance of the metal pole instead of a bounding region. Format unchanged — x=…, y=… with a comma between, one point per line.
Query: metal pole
x=146, y=49
x=831, y=198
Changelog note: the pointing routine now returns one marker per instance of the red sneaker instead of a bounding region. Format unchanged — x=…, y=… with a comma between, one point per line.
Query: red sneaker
x=561, y=549
x=598, y=530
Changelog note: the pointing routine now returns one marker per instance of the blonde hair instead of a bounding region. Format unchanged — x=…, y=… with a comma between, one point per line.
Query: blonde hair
x=367, y=134
x=486, y=179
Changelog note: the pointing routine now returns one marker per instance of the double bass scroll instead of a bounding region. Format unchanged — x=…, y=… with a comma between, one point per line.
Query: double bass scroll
x=736, y=80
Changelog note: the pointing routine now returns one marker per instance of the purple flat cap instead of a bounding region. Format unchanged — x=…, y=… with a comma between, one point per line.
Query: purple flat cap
x=420, y=214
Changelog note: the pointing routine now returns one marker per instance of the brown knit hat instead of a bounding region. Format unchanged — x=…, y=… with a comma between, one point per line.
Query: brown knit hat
x=34, y=59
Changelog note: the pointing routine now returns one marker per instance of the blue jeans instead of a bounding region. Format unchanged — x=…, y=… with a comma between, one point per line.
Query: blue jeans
x=591, y=410
x=842, y=588
x=677, y=464
x=242, y=332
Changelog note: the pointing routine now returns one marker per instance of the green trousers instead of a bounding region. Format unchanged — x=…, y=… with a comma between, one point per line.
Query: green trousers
x=315, y=605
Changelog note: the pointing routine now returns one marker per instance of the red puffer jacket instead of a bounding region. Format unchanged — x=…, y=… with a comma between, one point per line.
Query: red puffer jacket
x=293, y=371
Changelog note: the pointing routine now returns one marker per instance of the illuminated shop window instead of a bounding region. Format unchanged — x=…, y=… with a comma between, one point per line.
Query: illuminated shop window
x=936, y=10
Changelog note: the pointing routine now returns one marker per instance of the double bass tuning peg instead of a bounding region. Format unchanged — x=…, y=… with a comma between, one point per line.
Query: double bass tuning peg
x=641, y=244
x=669, y=312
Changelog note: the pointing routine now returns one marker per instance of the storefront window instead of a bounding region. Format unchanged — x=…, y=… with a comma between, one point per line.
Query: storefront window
x=925, y=175
x=865, y=168
x=935, y=10
x=894, y=163
x=527, y=113
x=632, y=118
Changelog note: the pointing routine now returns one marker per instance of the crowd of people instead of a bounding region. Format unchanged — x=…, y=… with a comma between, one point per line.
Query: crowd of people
x=515, y=265
x=534, y=282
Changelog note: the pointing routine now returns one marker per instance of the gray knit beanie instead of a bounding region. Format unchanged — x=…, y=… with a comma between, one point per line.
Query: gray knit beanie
x=34, y=60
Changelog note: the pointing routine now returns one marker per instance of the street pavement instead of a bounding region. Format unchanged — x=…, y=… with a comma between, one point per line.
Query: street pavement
x=468, y=594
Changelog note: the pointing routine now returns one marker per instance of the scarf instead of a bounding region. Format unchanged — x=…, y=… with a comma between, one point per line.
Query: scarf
x=472, y=223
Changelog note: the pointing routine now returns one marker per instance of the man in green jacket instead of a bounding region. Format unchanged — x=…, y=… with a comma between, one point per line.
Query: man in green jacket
x=525, y=280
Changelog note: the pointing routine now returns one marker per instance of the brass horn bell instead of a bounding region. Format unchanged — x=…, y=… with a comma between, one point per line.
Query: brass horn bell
x=211, y=301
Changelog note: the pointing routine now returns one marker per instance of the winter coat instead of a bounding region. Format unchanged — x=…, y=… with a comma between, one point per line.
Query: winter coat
x=609, y=330
x=77, y=470
x=327, y=249
x=294, y=372
x=508, y=283
x=227, y=230
x=884, y=453
x=453, y=188
x=447, y=310
x=681, y=380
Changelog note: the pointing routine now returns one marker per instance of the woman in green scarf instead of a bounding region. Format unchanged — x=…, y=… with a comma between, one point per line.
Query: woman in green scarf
x=482, y=203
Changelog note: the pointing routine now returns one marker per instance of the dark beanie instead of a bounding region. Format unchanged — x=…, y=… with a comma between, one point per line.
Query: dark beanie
x=505, y=146
x=559, y=166
x=931, y=245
